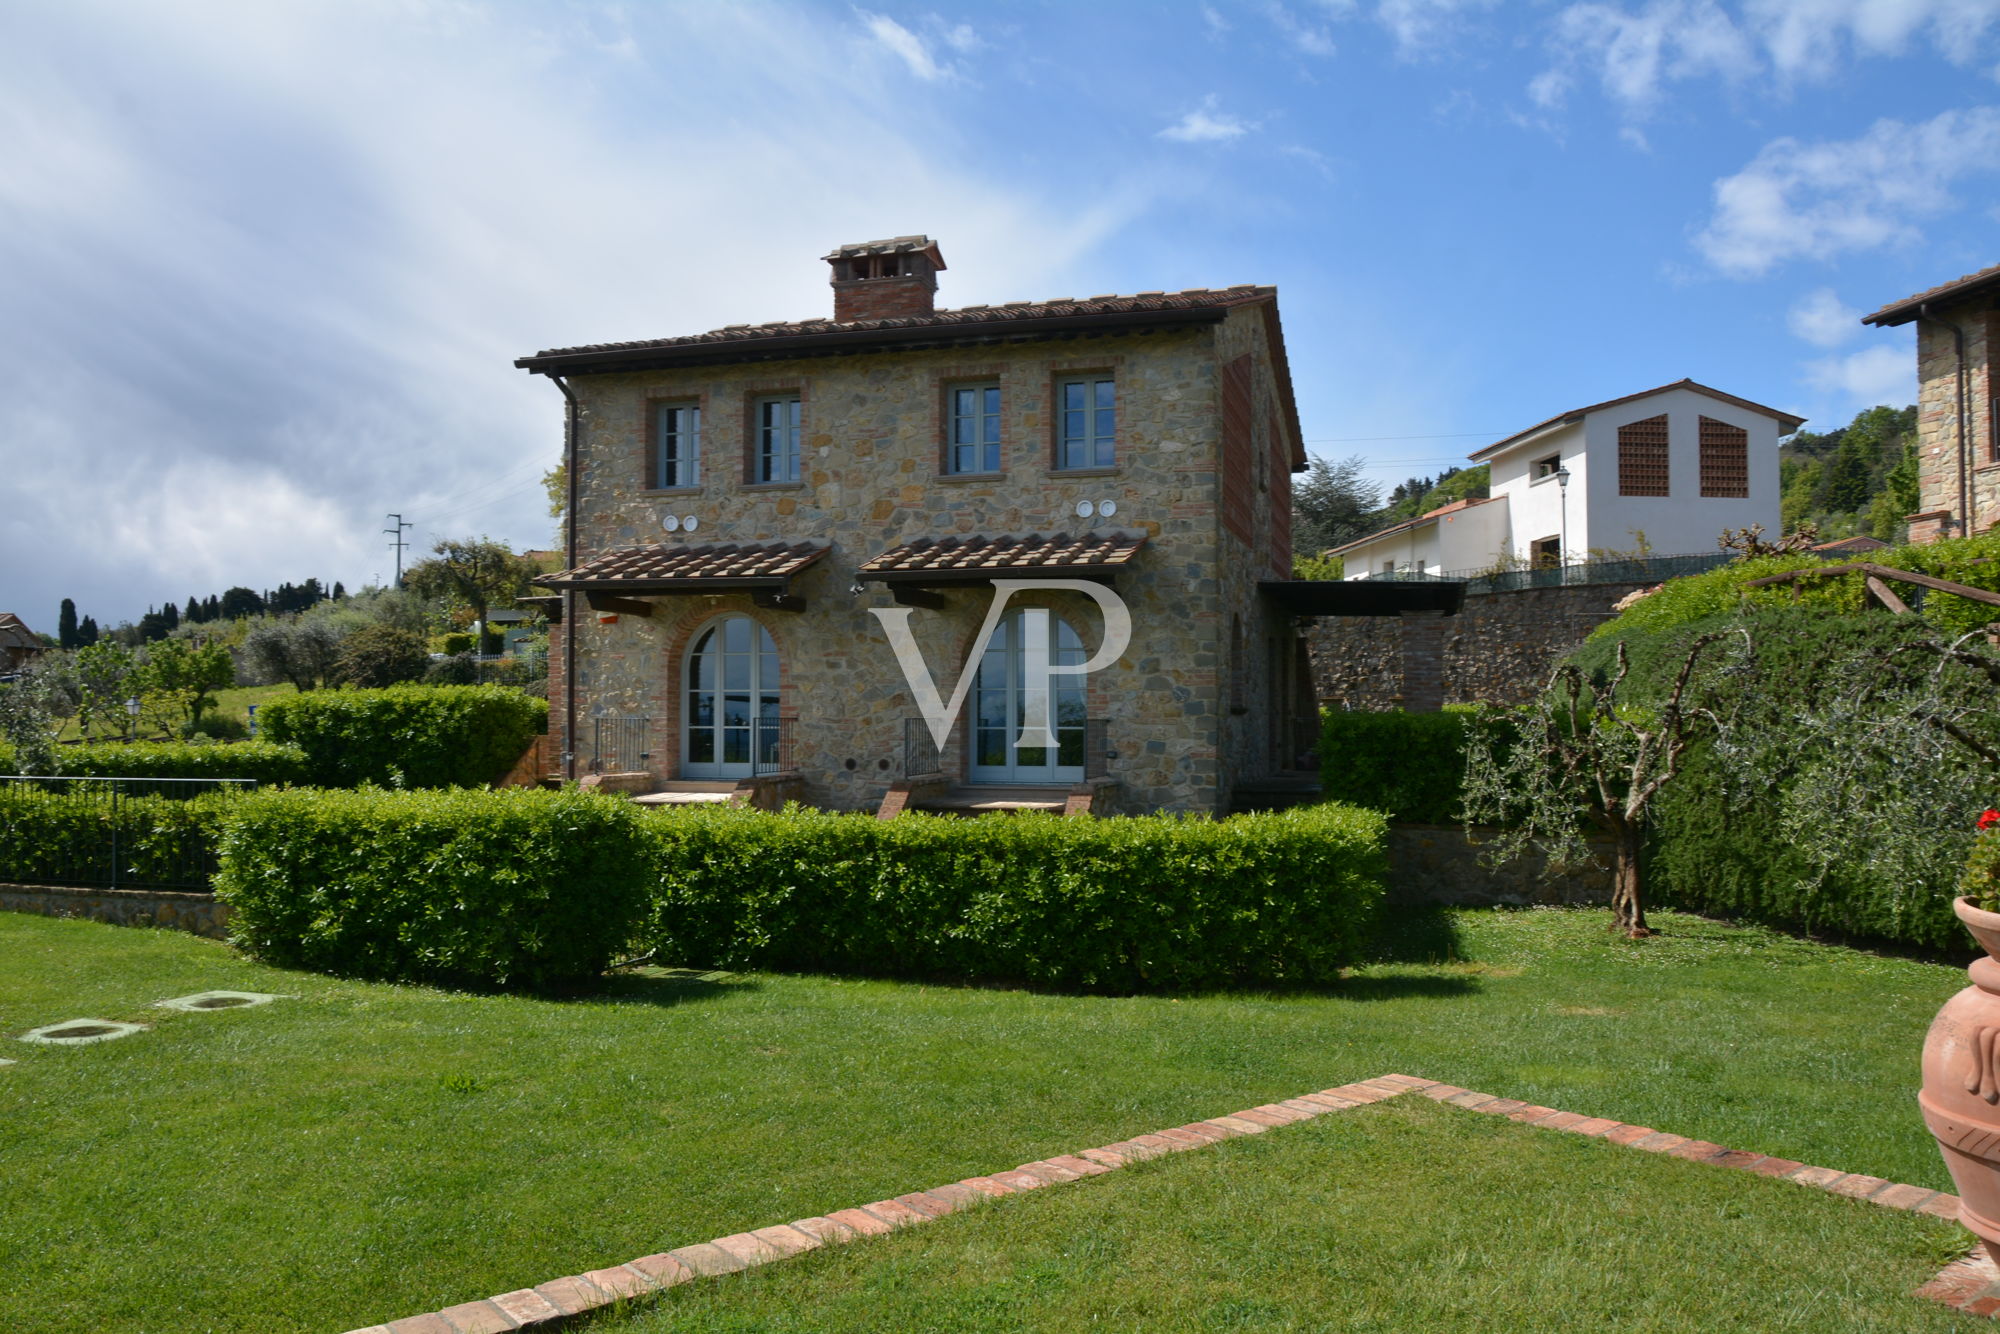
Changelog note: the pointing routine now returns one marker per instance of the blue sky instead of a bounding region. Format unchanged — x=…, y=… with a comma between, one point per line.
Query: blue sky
x=268, y=265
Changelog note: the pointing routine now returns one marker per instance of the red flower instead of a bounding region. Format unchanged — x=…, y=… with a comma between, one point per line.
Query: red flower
x=1988, y=818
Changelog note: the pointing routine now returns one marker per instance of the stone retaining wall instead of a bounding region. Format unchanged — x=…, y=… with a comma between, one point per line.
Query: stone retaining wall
x=200, y=914
x=1438, y=864
x=1499, y=650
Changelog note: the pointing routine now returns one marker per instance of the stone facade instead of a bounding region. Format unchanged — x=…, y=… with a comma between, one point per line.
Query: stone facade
x=1187, y=708
x=1499, y=649
x=200, y=914
x=1939, y=477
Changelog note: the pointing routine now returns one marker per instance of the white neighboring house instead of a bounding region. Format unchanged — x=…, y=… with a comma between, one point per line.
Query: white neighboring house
x=1666, y=470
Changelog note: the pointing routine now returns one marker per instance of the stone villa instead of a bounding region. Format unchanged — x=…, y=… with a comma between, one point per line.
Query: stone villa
x=1958, y=429
x=753, y=507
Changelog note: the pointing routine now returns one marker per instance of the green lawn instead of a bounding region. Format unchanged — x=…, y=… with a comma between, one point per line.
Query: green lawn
x=1403, y=1216
x=362, y=1152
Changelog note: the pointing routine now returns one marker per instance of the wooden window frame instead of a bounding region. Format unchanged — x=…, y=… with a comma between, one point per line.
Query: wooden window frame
x=1107, y=446
x=657, y=411
x=996, y=447
x=759, y=454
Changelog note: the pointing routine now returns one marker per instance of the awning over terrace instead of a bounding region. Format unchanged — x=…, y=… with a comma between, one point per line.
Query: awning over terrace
x=763, y=569
x=977, y=558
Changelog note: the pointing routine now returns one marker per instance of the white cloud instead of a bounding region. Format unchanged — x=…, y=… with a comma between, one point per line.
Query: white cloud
x=904, y=45
x=1814, y=201
x=1637, y=51
x=1880, y=374
x=1549, y=89
x=1307, y=37
x=1822, y=319
x=1217, y=25
x=1206, y=125
x=1421, y=26
x=270, y=264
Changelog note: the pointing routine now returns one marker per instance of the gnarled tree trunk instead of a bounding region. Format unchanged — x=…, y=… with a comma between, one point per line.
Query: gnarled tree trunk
x=1628, y=903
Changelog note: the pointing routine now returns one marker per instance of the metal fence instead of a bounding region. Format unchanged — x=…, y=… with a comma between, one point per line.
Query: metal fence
x=114, y=833
x=1613, y=570
x=618, y=744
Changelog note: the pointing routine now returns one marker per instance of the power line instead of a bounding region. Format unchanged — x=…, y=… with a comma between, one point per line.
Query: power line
x=1364, y=439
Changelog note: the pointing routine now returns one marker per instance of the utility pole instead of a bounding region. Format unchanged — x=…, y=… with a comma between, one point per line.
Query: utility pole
x=396, y=541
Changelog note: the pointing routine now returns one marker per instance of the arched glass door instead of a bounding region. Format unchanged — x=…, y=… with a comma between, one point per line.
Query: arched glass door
x=999, y=701
x=730, y=727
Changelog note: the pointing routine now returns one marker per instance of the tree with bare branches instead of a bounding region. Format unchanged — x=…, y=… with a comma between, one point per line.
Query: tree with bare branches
x=1580, y=758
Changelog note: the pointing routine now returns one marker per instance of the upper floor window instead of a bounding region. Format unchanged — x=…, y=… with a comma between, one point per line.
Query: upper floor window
x=676, y=445
x=1642, y=457
x=1725, y=460
x=1547, y=467
x=778, y=439
x=974, y=443
x=1086, y=421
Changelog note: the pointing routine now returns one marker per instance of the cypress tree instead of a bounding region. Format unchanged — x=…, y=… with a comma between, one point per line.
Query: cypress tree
x=66, y=625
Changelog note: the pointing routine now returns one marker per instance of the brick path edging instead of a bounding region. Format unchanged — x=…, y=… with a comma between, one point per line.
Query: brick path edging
x=547, y=1305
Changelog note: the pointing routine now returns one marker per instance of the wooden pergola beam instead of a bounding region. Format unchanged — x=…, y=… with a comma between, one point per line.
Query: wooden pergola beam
x=1878, y=573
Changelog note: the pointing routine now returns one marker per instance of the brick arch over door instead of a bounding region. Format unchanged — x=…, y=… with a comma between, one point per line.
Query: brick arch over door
x=671, y=695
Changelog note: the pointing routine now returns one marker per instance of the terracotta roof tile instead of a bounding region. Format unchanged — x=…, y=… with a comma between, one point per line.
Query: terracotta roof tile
x=1192, y=300
x=690, y=563
x=981, y=553
x=15, y=631
x=1902, y=312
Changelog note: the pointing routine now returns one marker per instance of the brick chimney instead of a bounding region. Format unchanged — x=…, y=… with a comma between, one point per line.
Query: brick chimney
x=885, y=280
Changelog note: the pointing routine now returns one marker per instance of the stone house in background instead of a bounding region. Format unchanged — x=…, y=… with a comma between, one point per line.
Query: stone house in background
x=1958, y=427
x=742, y=499
x=18, y=644
x=1669, y=468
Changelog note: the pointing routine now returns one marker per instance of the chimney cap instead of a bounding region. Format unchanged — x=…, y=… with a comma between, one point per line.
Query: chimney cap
x=895, y=245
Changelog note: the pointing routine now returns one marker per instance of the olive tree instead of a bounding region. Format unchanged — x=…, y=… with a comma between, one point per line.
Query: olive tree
x=1581, y=759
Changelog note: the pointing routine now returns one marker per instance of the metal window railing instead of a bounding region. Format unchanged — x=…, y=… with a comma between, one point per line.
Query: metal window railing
x=619, y=744
x=113, y=833
x=771, y=749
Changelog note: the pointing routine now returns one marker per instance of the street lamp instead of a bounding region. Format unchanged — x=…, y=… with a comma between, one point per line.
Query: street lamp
x=132, y=712
x=1562, y=526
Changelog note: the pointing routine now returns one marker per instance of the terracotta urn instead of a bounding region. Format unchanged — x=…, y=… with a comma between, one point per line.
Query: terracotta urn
x=1961, y=1093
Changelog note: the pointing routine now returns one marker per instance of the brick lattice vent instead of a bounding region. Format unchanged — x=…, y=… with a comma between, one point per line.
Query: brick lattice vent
x=1971, y=1284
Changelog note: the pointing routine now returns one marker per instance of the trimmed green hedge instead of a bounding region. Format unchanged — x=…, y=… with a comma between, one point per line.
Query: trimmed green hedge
x=266, y=762
x=1151, y=903
x=54, y=838
x=517, y=888
x=1411, y=766
x=407, y=736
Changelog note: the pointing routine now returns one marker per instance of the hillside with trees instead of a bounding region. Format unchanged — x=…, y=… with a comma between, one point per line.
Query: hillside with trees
x=1859, y=480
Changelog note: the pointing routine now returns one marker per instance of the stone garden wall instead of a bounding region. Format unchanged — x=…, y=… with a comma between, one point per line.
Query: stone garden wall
x=200, y=914
x=1439, y=864
x=1498, y=650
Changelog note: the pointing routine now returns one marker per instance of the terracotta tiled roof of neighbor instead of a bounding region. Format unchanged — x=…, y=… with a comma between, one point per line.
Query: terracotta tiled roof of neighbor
x=14, y=632
x=1013, y=312
x=690, y=562
x=1787, y=422
x=1110, y=547
x=1902, y=312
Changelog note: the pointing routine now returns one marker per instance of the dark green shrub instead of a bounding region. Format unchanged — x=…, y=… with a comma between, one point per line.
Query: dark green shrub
x=222, y=727
x=456, y=643
x=518, y=888
x=266, y=762
x=407, y=736
x=458, y=670
x=377, y=656
x=1154, y=903
x=1411, y=766
x=63, y=836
